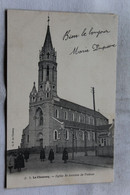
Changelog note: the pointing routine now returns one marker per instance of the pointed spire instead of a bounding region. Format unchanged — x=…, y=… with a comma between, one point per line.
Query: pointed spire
x=33, y=94
x=48, y=42
x=34, y=91
x=47, y=52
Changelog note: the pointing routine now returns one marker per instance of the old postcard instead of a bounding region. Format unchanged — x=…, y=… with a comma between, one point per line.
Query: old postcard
x=61, y=88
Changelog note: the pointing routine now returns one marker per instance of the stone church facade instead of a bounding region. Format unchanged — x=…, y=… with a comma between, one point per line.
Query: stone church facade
x=54, y=122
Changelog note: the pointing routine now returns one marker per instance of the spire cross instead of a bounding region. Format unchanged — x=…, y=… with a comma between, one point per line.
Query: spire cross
x=48, y=20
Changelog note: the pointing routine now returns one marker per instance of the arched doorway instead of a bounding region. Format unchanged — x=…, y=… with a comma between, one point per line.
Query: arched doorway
x=40, y=139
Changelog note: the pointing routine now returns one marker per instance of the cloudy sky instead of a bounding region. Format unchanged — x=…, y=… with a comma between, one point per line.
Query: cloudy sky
x=76, y=74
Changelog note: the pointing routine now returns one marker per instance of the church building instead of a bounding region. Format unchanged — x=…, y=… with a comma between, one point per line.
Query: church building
x=55, y=122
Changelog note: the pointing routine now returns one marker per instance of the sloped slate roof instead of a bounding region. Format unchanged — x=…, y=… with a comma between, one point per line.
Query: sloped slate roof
x=76, y=107
x=104, y=127
x=77, y=125
x=83, y=126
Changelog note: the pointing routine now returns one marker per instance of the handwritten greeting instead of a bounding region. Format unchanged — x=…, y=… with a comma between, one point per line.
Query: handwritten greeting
x=68, y=36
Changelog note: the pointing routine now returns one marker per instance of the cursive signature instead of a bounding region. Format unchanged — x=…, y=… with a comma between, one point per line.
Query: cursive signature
x=97, y=47
x=77, y=51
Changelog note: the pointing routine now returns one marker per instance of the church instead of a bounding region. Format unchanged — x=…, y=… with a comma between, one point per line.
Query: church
x=55, y=122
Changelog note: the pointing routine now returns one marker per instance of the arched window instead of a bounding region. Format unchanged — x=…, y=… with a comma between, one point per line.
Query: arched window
x=80, y=134
x=79, y=118
x=67, y=134
x=39, y=117
x=97, y=121
x=53, y=74
x=93, y=134
x=83, y=119
x=89, y=136
x=65, y=115
x=47, y=73
x=83, y=135
x=88, y=119
x=42, y=75
x=48, y=55
x=72, y=116
x=57, y=113
x=33, y=99
x=47, y=95
x=91, y=120
x=55, y=135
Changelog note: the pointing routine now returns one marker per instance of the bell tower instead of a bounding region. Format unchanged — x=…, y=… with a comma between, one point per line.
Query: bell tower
x=41, y=106
x=47, y=75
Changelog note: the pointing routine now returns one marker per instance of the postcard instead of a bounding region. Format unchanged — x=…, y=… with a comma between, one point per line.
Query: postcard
x=61, y=87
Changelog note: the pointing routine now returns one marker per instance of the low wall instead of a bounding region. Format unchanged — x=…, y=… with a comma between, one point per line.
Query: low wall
x=105, y=151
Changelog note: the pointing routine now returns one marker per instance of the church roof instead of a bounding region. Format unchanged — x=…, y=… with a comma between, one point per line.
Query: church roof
x=48, y=42
x=76, y=107
x=104, y=127
x=76, y=125
x=84, y=126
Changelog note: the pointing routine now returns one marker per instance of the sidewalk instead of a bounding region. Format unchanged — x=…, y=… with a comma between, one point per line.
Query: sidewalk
x=79, y=158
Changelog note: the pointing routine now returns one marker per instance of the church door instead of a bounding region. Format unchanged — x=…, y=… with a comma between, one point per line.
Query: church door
x=41, y=142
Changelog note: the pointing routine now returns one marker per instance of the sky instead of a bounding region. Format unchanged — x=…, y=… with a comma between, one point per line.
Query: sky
x=76, y=74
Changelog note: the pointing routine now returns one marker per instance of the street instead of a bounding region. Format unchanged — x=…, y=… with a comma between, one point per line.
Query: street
x=80, y=162
x=83, y=169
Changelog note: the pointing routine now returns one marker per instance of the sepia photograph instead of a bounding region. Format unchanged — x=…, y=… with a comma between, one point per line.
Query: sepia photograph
x=61, y=87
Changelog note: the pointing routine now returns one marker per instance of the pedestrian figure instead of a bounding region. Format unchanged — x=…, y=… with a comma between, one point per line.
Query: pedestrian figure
x=42, y=154
x=26, y=155
x=15, y=160
x=20, y=161
x=11, y=163
x=51, y=155
x=65, y=155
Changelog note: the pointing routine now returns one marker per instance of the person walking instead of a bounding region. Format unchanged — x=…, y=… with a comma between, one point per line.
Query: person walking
x=20, y=161
x=11, y=163
x=51, y=155
x=15, y=160
x=26, y=155
x=65, y=155
x=42, y=154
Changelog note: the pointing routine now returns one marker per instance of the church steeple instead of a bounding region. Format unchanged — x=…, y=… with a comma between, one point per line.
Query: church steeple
x=47, y=52
x=48, y=42
x=33, y=94
x=47, y=76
